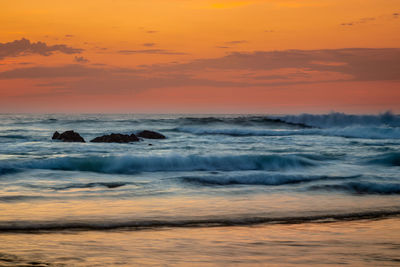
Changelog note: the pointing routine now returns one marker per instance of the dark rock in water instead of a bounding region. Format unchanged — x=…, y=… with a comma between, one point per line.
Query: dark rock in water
x=116, y=138
x=56, y=135
x=151, y=135
x=68, y=136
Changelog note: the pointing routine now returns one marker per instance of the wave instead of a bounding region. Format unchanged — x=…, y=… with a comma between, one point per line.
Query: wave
x=13, y=136
x=243, y=131
x=241, y=120
x=341, y=119
x=32, y=226
x=362, y=188
x=363, y=132
x=387, y=159
x=13, y=198
x=8, y=170
x=349, y=132
x=172, y=162
x=259, y=179
x=109, y=185
x=334, y=119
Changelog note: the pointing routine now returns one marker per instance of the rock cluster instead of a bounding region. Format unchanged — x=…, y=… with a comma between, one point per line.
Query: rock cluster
x=71, y=136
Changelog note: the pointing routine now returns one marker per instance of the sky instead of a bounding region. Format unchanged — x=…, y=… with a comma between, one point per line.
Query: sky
x=200, y=56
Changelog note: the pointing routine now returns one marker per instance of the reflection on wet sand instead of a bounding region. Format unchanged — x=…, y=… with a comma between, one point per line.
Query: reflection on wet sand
x=358, y=243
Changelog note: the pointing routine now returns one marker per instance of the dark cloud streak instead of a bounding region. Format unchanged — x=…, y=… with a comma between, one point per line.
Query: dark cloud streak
x=81, y=59
x=26, y=47
x=73, y=70
x=364, y=64
x=150, y=51
x=149, y=44
x=236, y=42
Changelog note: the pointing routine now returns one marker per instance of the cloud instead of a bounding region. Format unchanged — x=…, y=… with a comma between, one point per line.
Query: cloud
x=361, y=63
x=240, y=70
x=236, y=42
x=38, y=72
x=69, y=35
x=81, y=59
x=357, y=22
x=149, y=44
x=135, y=82
x=151, y=31
x=26, y=47
x=150, y=51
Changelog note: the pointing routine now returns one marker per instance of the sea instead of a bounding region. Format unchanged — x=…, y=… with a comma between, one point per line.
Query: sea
x=220, y=190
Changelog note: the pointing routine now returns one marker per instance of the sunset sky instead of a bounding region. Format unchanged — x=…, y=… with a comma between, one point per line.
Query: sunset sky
x=200, y=56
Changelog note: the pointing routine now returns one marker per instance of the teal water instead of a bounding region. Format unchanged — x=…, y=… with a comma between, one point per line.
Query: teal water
x=226, y=171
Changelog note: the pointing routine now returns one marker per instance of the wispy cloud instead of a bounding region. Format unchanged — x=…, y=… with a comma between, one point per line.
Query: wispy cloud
x=149, y=44
x=361, y=64
x=81, y=59
x=236, y=42
x=38, y=72
x=151, y=51
x=360, y=21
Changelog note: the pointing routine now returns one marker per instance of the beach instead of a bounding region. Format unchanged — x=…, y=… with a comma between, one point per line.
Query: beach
x=249, y=190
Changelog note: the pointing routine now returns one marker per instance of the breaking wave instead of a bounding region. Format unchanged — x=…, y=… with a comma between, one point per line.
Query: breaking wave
x=334, y=119
x=341, y=120
x=32, y=226
x=172, y=162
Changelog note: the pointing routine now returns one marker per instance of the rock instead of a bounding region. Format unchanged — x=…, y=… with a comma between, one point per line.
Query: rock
x=68, y=136
x=150, y=135
x=115, y=138
x=56, y=135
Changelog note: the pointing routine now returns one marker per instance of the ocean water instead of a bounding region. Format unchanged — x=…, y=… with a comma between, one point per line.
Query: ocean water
x=277, y=190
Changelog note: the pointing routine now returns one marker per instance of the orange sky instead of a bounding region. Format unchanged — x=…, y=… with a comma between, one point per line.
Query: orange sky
x=270, y=56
